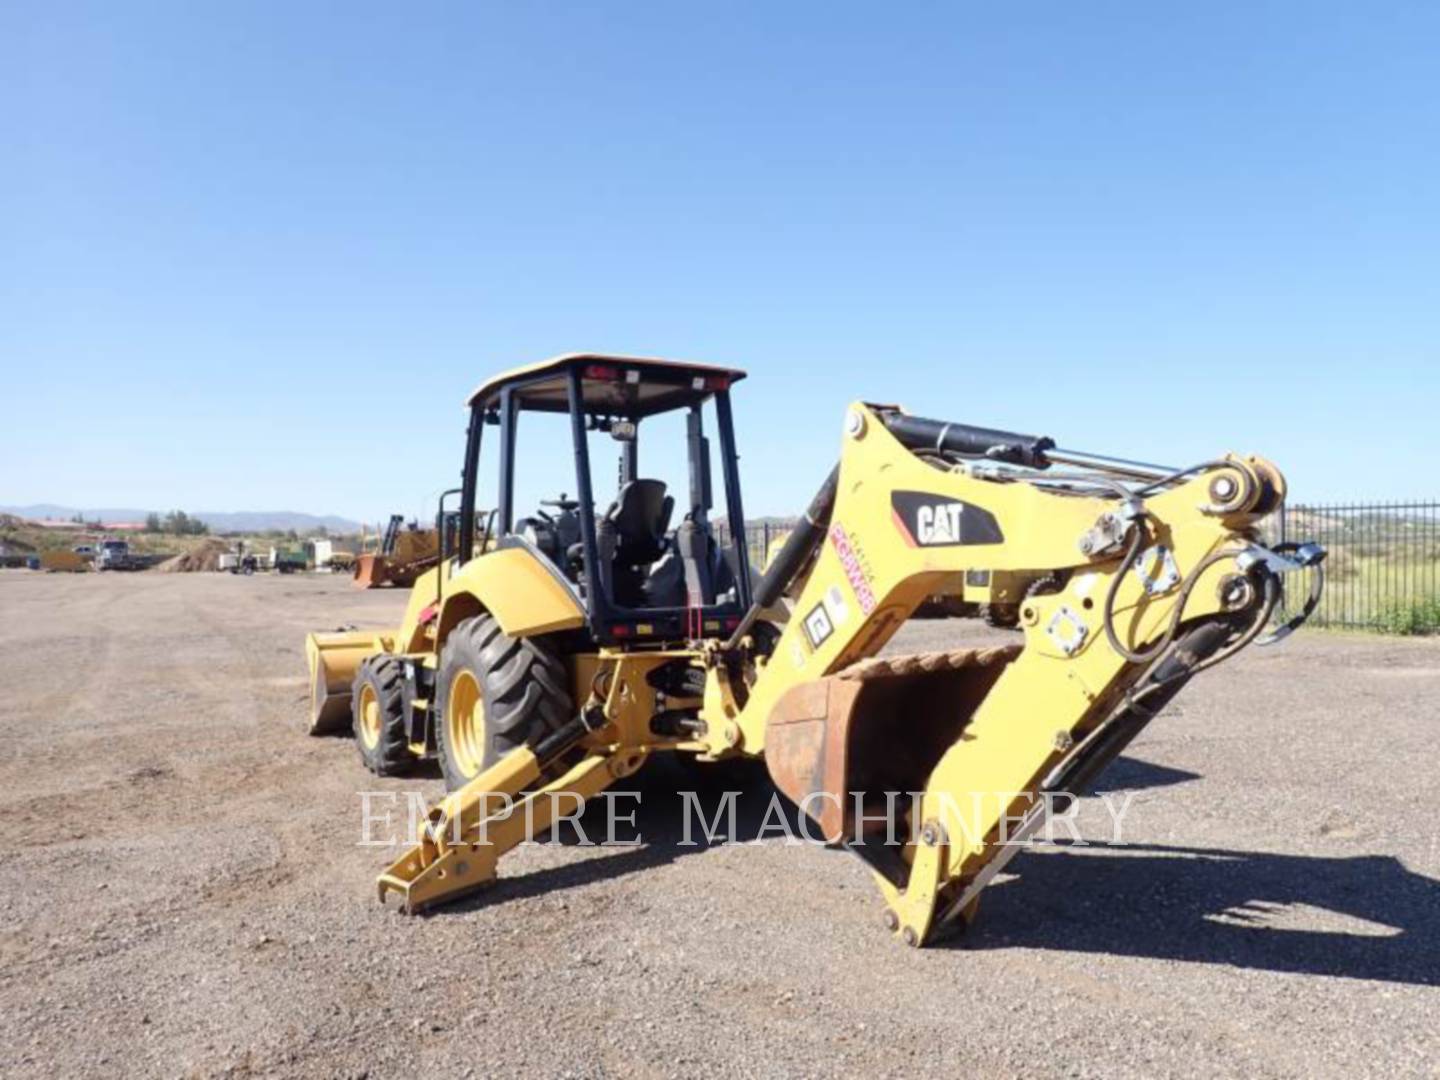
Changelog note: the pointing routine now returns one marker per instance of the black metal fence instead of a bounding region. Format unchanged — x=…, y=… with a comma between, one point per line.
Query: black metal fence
x=758, y=538
x=1383, y=570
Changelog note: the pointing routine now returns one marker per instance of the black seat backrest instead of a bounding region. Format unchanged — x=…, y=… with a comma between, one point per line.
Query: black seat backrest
x=641, y=516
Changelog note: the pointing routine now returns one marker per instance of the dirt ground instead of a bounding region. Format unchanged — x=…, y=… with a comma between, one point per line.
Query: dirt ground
x=184, y=893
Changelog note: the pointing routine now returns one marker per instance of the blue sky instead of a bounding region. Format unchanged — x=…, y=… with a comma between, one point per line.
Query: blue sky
x=255, y=255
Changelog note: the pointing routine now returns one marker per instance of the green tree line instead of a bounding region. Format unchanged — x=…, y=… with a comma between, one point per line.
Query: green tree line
x=176, y=523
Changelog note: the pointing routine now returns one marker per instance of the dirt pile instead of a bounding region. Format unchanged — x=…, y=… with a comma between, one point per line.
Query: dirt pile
x=204, y=557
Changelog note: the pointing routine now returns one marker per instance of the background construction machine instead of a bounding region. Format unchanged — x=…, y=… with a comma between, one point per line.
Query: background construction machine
x=554, y=660
x=113, y=554
x=403, y=554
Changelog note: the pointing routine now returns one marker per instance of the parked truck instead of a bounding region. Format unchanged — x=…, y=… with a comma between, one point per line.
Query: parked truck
x=114, y=555
x=288, y=560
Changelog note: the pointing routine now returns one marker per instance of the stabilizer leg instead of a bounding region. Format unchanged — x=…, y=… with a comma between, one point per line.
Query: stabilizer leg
x=460, y=845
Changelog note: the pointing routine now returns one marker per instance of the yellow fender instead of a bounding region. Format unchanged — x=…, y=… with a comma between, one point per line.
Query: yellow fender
x=525, y=596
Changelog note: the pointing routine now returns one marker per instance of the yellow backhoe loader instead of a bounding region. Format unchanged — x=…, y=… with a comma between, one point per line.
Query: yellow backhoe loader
x=552, y=653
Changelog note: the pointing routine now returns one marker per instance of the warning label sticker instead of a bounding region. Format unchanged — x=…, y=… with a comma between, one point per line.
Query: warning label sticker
x=818, y=626
x=854, y=572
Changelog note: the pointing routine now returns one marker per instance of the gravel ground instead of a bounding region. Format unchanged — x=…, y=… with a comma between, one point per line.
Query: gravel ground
x=183, y=892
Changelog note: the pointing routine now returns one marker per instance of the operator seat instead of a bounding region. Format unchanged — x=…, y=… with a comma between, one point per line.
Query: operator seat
x=641, y=516
x=632, y=536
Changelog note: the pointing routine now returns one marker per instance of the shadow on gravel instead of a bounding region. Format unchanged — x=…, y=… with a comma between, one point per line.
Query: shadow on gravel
x=1376, y=919
x=1132, y=774
x=662, y=812
x=660, y=815
x=1364, y=917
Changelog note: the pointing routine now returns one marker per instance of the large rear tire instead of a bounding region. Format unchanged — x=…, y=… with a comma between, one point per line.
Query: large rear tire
x=494, y=693
x=377, y=707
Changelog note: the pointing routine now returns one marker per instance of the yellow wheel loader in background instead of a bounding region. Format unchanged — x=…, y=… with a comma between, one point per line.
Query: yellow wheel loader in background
x=556, y=654
x=401, y=556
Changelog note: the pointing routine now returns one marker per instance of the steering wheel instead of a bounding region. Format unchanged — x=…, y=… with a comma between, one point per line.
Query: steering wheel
x=562, y=503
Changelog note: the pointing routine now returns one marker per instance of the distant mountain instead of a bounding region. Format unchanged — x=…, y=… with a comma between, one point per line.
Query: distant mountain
x=259, y=520
x=218, y=520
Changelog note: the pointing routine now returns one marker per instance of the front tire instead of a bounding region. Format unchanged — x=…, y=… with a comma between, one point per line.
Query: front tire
x=494, y=692
x=377, y=707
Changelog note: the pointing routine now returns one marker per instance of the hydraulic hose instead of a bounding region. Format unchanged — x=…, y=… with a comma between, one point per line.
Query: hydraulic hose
x=1317, y=586
x=1132, y=554
x=1180, y=474
x=1251, y=632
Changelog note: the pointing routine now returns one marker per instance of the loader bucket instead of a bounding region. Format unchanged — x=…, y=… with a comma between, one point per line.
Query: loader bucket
x=878, y=726
x=334, y=658
x=371, y=571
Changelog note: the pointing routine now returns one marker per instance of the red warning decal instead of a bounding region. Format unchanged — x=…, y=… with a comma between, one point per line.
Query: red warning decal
x=854, y=572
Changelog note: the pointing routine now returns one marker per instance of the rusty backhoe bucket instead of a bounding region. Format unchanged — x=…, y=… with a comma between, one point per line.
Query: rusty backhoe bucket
x=334, y=658
x=842, y=743
x=370, y=572
x=373, y=571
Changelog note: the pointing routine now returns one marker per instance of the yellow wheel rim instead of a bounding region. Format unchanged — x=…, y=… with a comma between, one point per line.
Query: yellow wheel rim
x=369, y=716
x=465, y=724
